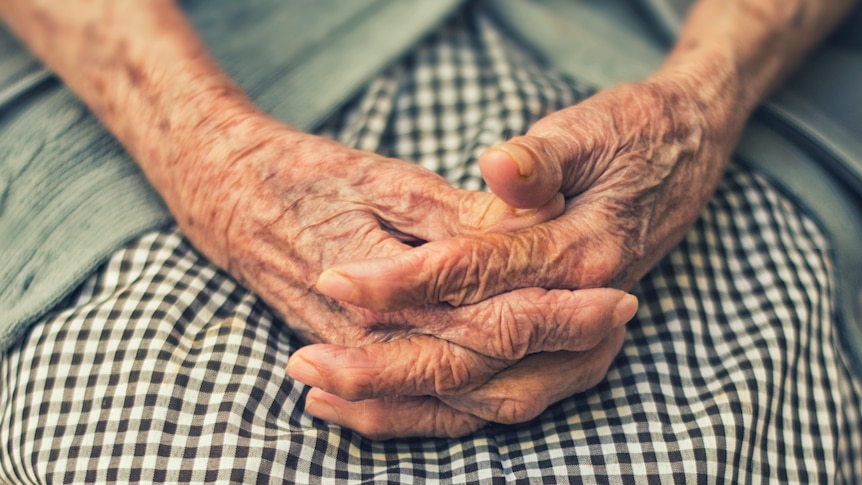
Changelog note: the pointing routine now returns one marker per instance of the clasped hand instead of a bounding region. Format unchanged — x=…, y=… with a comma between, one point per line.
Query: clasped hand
x=436, y=310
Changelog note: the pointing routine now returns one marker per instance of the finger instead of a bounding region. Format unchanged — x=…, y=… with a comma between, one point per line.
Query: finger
x=523, y=172
x=517, y=395
x=523, y=322
x=560, y=154
x=388, y=418
x=455, y=271
x=417, y=366
x=466, y=350
x=466, y=270
x=525, y=390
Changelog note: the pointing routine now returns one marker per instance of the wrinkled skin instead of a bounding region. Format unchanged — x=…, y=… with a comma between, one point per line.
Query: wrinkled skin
x=291, y=204
x=636, y=164
x=276, y=208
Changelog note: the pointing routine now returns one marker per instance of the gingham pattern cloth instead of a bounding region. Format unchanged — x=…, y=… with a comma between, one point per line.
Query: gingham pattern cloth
x=161, y=368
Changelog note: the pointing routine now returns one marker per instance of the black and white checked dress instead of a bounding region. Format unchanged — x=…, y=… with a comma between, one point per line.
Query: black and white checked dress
x=160, y=368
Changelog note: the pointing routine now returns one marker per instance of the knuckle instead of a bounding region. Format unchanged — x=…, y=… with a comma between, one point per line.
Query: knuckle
x=437, y=367
x=356, y=385
x=602, y=269
x=581, y=327
x=535, y=320
x=374, y=420
x=475, y=268
x=355, y=389
x=458, y=280
x=511, y=340
x=434, y=418
x=453, y=378
x=534, y=258
x=465, y=371
x=593, y=259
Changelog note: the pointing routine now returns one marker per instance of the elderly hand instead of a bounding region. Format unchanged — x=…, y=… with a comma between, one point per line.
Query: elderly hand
x=275, y=207
x=636, y=164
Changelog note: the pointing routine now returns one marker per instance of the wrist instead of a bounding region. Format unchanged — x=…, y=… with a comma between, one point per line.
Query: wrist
x=710, y=90
x=171, y=138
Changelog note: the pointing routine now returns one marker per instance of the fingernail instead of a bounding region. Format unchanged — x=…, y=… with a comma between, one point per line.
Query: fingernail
x=322, y=410
x=335, y=285
x=625, y=310
x=304, y=372
x=521, y=158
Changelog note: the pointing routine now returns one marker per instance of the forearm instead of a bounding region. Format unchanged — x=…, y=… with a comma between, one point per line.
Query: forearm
x=732, y=53
x=140, y=68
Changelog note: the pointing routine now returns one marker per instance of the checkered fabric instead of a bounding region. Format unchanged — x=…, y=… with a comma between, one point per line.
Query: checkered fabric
x=161, y=368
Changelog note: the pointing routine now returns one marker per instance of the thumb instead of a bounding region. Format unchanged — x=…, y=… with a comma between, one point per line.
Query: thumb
x=561, y=153
x=525, y=172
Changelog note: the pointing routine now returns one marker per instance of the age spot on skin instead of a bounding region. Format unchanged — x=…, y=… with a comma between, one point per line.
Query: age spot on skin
x=134, y=74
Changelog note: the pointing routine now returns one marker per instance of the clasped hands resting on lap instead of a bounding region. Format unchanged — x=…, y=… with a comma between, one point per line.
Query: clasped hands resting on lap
x=434, y=310
x=635, y=165
x=286, y=206
x=473, y=341
x=493, y=318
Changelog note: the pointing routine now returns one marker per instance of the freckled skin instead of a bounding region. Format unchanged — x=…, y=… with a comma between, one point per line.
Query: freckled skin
x=438, y=354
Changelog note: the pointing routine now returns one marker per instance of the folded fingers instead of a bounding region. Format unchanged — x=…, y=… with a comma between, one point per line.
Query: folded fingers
x=416, y=366
x=518, y=394
x=463, y=270
x=526, y=321
x=451, y=351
